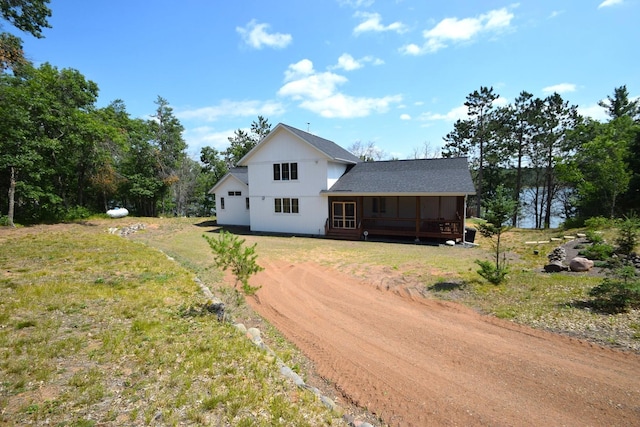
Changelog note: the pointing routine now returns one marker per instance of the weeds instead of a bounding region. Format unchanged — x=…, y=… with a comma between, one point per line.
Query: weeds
x=91, y=321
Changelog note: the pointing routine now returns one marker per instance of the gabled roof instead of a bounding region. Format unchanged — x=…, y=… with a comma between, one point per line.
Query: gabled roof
x=423, y=176
x=240, y=173
x=329, y=148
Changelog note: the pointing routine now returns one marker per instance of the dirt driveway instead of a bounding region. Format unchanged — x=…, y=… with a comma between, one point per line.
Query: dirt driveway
x=420, y=362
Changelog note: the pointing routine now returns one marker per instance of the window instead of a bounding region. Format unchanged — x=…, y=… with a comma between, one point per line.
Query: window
x=234, y=193
x=246, y=203
x=379, y=205
x=285, y=171
x=286, y=205
x=221, y=202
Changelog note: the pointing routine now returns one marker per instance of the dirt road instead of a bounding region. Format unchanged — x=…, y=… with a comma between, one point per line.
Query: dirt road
x=420, y=362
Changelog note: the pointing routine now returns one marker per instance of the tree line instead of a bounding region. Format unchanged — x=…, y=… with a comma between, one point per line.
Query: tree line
x=62, y=157
x=568, y=163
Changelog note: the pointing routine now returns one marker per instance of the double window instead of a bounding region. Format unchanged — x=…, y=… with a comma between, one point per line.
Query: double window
x=235, y=193
x=286, y=205
x=285, y=171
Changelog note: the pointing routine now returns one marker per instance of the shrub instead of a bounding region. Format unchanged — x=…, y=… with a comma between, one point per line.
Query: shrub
x=619, y=292
x=627, y=238
x=230, y=252
x=594, y=237
x=491, y=273
x=598, y=251
x=597, y=223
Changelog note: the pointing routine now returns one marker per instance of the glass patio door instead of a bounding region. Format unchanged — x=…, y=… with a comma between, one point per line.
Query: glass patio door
x=343, y=215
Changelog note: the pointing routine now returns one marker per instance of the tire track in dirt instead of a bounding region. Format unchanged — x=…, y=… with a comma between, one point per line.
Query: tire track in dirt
x=416, y=361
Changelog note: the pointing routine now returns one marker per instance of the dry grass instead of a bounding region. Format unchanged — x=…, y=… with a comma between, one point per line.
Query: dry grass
x=549, y=301
x=96, y=329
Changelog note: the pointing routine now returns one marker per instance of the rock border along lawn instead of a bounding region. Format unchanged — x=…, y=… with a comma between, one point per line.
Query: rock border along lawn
x=215, y=305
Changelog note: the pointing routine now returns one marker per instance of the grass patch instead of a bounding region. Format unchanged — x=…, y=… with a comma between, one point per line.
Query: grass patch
x=90, y=322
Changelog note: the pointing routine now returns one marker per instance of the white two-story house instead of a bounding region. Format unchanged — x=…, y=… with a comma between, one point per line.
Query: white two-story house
x=297, y=183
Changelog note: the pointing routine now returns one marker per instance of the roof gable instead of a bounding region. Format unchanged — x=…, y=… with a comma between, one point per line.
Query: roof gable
x=240, y=174
x=422, y=176
x=329, y=149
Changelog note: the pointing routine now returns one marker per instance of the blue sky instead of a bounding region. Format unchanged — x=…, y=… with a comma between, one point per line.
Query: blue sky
x=395, y=73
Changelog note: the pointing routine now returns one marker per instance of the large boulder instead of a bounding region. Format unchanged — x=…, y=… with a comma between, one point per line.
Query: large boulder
x=579, y=264
x=555, y=267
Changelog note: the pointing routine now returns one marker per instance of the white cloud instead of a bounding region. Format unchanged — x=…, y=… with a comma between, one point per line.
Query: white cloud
x=560, y=88
x=454, y=114
x=454, y=30
x=405, y=117
x=607, y=3
x=372, y=22
x=227, y=108
x=205, y=136
x=356, y=3
x=594, y=111
x=349, y=63
x=256, y=36
x=344, y=106
x=318, y=92
x=556, y=13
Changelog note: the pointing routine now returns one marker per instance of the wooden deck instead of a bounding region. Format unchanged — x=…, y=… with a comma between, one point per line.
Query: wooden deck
x=437, y=229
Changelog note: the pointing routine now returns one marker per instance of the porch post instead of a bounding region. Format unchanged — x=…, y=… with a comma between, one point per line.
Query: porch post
x=417, y=217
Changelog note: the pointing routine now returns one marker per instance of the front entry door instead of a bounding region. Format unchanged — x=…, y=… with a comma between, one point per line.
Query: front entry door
x=343, y=215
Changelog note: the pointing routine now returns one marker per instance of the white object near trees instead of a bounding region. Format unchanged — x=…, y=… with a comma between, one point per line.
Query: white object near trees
x=117, y=212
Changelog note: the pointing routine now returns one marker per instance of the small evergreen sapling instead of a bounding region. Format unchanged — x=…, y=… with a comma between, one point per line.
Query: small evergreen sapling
x=230, y=252
x=499, y=209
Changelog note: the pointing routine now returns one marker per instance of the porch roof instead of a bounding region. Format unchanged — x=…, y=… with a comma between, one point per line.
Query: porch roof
x=403, y=177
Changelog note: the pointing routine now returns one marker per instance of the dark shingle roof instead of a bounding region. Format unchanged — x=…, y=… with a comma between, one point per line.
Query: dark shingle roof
x=240, y=172
x=424, y=176
x=330, y=148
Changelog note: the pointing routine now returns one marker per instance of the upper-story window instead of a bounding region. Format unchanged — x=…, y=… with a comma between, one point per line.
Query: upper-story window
x=285, y=171
x=235, y=193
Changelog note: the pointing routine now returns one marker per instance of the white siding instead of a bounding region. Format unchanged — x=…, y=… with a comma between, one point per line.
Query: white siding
x=284, y=147
x=334, y=172
x=235, y=207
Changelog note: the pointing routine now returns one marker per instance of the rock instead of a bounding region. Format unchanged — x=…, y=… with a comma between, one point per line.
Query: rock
x=559, y=254
x=555, y=267
x=450, y=243
x=253, y=333
x=579, y=264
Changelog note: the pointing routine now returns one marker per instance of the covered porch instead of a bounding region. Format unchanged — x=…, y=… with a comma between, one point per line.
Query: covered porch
x=419, y=217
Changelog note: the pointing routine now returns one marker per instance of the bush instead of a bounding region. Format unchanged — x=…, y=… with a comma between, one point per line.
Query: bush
x=618, y=293
x=75, y=213
x=627, y=235
x=594, y=237
x=491, y=273
x=598, y=251
x=597, y=223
